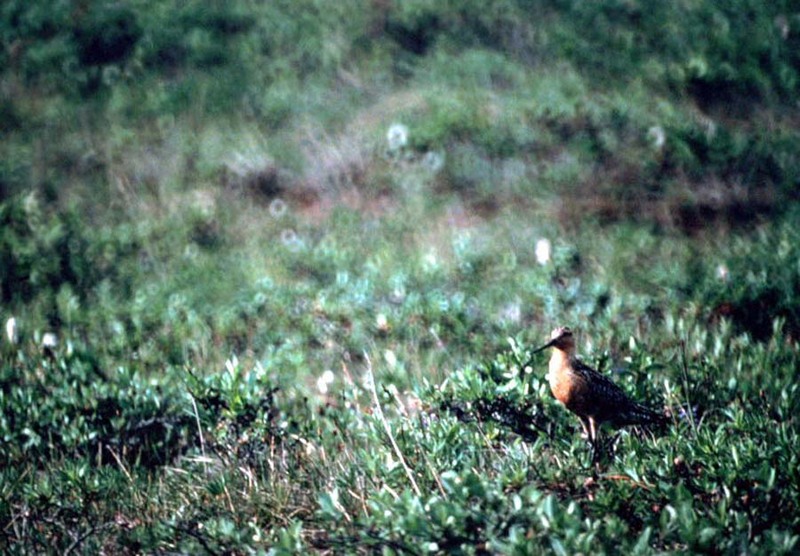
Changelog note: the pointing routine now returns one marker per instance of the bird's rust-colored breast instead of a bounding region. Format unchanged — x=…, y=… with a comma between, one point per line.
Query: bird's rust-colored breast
x=568, y=387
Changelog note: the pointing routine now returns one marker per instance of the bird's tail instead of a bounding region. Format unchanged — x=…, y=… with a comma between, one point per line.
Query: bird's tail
x=638, y=414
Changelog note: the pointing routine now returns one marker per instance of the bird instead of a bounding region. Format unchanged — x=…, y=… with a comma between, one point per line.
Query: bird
x=593, y=397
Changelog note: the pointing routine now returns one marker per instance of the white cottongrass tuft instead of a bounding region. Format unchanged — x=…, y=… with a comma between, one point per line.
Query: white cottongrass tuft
x=543, y=251
x=11, y=330
x=277, y=208
x=381, y=322
x=782, y=25
x=325, y=380
x=191, y=251
x=390, y=358
x=397, y=136
x=49, y=340
x=657, y=137
x=430, y=261
x=512, y=312
x=291, y=240
x=433, y=161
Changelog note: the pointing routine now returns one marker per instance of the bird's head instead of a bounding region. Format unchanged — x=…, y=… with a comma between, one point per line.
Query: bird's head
x=560, y=338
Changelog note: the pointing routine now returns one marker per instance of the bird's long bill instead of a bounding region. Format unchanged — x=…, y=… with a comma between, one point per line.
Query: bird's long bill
x=537, y=350
x=547, y=345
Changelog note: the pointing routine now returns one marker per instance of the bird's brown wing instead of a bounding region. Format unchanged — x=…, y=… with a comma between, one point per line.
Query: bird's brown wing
x=602, y=387
x=608, y=402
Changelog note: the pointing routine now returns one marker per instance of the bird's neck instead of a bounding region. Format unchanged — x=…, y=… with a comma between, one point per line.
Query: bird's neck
x=559, y=362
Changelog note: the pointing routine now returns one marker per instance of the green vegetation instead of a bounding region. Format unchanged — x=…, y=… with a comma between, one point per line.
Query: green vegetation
x=294, y=256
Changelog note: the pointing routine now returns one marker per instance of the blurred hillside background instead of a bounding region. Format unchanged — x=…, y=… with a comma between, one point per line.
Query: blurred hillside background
x=182, y=153
x=291, y=185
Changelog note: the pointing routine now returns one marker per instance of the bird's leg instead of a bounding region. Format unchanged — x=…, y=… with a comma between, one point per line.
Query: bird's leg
x=592, y=430
x=585, y=425
x=596, y=449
